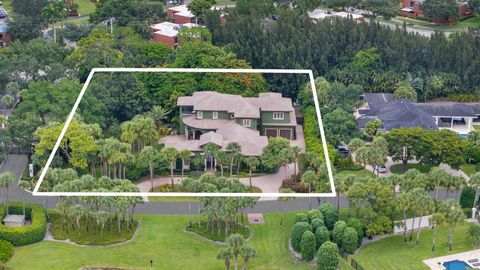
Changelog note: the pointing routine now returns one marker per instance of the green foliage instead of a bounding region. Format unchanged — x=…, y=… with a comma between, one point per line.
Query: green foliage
x=467, y=197
x=330, y=215
x=311, y=134
x=308, y=246
x=349, y=240
x=327, y=256
x=297, y=233
x=29, y=234
x=316, y=223
x=359, y=228
x=314, y=214
x=379, y=226
x=301, y=217
x=406, y=91
x=338, y=231
x=474, y=233
x=322, y=235
x=6, y=250
x=440, y=10
x=128, y=12
x=372, y=127
x=271, y=152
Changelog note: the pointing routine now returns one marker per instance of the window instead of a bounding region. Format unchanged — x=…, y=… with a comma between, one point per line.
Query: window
x=232, y=115
x=215, y=115
x=199, y=115
x=278, y=116
x=247, y=122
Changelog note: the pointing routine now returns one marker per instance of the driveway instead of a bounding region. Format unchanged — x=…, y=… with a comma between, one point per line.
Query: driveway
x=269, y=183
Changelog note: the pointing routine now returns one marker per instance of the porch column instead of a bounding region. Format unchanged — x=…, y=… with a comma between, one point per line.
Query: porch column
x=213, y=164
x=205, y=163
x=451, y=123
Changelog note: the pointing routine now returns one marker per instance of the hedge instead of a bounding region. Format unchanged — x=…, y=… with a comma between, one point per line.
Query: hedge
x=310, y=133
x=297, y=233
x=349, y=240
x=308, y=246
x=330, y=215
x=322, y=235
x=29, y=234
x=301, y=217
x=314, y=214
x=6, y=250
x=316, y=223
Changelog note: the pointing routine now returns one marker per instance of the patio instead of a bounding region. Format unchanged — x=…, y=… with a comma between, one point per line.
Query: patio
x=472, y=258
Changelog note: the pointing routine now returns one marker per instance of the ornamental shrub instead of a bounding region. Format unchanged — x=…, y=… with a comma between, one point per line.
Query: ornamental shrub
x=327, y=256
x=301, y=217
x=349, y=240
x=337, y=232
x=359, y=228
x=29, y=234
x=6, y=250
x=322, y=235
x=379, y=225
x=467, y=198
x=330, y=215
x=316, y=223
x=314, y=214
x=308, y=246
x=297, y=233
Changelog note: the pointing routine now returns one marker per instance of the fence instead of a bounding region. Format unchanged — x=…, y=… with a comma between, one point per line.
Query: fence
x=355, y=265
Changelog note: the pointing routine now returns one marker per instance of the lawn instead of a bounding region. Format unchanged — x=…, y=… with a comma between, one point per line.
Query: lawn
x=161, y=239
x=398, y=168
x=213, y=234
x=85, y=7
x=393, y=253
x=7, y=4
x=358, y=173
x=469, y=169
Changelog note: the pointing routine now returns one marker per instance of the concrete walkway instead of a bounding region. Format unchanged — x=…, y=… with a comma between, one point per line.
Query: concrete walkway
x=270, y=183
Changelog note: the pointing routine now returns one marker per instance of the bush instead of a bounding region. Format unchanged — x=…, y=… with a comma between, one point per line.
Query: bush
x=322, y=235
x=308, y=246
x=20, y=236
x=327, y=256
x=359, y=228
x=297, y=233
x=295, y=185
x=343, y=162
x=467, y=198
x=314, y=214
x=337, y=232
x=349, y=240
x=301, y=217
x=6, y=250
x=379, y=225
x=330, y=215
x=463, y=98
x=316, y=223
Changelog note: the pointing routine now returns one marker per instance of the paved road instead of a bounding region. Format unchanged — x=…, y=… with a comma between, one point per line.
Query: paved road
x=16, y=164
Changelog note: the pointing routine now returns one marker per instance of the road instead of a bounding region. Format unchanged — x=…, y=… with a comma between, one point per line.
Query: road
x=17, y=163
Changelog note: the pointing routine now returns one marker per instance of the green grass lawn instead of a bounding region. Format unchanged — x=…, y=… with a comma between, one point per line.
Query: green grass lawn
x=359, y=173
x=213, y=235
x=393, y=253
x=473, y=21
x=398, y=168
x=161, y=239
x=85, y=7
x=469, y=169
x=7, y=4
x=89, y=237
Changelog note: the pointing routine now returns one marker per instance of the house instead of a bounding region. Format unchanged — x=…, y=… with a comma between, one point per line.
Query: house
x=212, y=117
x=401, y=113
x=320, y=14
x=412, y=8
x=5, y=38
x=167, y=32
x=180, y=15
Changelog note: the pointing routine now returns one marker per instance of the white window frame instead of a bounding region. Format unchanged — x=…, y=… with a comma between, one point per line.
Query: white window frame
x=278, y=116
x=214, y=115
x=199, y=115
x=247, y=122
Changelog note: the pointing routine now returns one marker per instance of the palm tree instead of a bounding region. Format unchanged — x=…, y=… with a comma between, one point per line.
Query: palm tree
x=209, y=150
x=309, y=178
x=220, y=159
x=286, y=156
x=437, y=175
x=339, y=187
x=184, y=155
x=252, y=163
x=54, y=12
x=354, y=145
x=23, y=185
x=234, y=149
x=454, y=216
x=158, y=114
x=235, y=242
x=435, y=220
x=171, y=155
x=425, y=204
x=101, y=218
x=285, y=200
x=225, y=254
x=474, y=182
x=296, y=155
x=404, y=202
x=6, y=179
x=247, y=252
x=148, y=155
x=76, y=213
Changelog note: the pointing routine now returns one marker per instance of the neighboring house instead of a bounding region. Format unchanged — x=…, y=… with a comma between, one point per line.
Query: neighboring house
x=412, y=8
x=402, y=113
x=5, y=38
x=167, y=33
x=320, y=14
x=211, y=117
x=180, y=15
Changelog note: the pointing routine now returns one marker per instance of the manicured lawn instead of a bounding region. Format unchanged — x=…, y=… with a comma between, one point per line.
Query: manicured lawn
x=161, y=239
x=213, y=235
x=398, y=168
x=473, y=21
x=89, y=237
x=393, y=253
x=85, y=7
x=469, y=169
x=7, y=4
x=359, y=173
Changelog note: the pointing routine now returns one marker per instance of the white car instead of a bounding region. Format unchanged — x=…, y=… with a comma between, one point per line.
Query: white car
x=382, y=169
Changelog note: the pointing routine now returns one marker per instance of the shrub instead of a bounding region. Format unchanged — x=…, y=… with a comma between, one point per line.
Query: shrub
x=314, y=214
x=308, y=246
x=359, y=228
x=297, y=233
x=349, y=240
x=327, y=256
x=20, y=236
x=337, y=232
x=379, y=225
x=322, y=235
x=295, y=185
x=6, y=250
x=330, y=215
x=301, y=217
x=317, y=223
x=467, y=198
x=343, y=162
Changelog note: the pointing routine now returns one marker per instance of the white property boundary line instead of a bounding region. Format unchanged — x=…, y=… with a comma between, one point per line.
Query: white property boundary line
x=189, y=194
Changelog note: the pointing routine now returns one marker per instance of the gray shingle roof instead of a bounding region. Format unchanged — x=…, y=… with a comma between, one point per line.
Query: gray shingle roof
x=449, y=109
x=378, y=99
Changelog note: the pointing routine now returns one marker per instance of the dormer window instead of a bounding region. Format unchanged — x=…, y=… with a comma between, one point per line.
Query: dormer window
x=247, y=122
x=215, y=115
x=199, y=115
x=232, y=115
x=278, y=116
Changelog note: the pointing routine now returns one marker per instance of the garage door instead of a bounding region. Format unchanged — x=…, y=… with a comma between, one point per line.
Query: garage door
x=285, y=133
x=271, y=133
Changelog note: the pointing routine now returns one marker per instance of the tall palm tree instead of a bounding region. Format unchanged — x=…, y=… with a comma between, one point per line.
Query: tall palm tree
x=309, y=178
x=234, y=149
x=171, y=155
x=184, y=155
x=225, y=254
x=435, y=220
x=404, y=202
x=221, y=158
x=425, y=205
x=474, y=182
x=454, y=216
x=148, y=155
x=296, y=155
x=252, y=163
x=437, y=175
x=6, y=179
x=158, y=114
x=54, y=12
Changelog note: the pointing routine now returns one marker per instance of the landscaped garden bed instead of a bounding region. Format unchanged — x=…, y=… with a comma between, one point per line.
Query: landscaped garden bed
x=211, y=233
x=28, y=234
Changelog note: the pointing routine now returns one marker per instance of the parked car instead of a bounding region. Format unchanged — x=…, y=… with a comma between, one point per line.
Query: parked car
x=382, y=169
x=343, y=149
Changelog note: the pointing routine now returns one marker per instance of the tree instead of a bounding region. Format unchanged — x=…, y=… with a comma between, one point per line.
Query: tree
x=271, y=152
x=338, y=231
x=406, y=91
x=474, y=233
x=340, y=126
x=372, y=127
x=435, y=220
x=225, y=254
x=440, y=10
x=195, y=34
x=247, y=253
x=385, y=8
x=454, y=216
x=404, y=202
x=349, y=240
x=6, y=179
x=327, y=256
x=308, y=246
x=309, y=178
x=322, y=235
x=184, y=155
x=234, y=150
x=200, y=7
x=252, y=163
x=354, y=145
x=359, y=228
x=474, y=5
x=128, y=12
x=148, y=155
x=171, y=155
x=424, y=204
x=439, y=177
x=236, y=244
x=158, y=114
x=474, y=182
x=53, y=12
x=330, y=215
x=285, y=200
x=405, y=144
x=297, y=232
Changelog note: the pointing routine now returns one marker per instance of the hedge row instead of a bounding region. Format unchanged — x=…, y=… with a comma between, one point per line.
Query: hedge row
x=311, y=132
x=26, y=235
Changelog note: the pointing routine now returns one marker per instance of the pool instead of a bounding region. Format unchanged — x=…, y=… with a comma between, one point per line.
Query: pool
x=456, y=265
